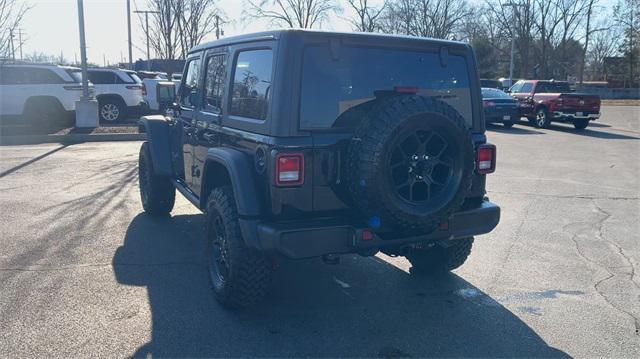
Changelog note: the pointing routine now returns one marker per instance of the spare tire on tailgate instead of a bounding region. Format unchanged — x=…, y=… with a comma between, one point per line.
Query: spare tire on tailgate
x=410, y=163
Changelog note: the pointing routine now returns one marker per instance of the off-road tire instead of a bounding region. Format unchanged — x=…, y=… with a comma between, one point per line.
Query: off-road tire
x=157, y=193
x=542, y=119
x=111, y=109
x=247, y=272
x=440, y=259
x=370, y=185
x=580, y=124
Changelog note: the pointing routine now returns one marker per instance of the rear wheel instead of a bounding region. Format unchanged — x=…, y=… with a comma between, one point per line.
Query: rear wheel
x=580, y=124
x=157, y=193
x=507, y=124
x=45, y=114
x=240, y=276
x=438, y=258
x=111, y=109
x=542, y=118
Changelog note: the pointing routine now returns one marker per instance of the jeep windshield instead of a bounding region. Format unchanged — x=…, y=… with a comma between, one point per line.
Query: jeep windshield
x=337, y=87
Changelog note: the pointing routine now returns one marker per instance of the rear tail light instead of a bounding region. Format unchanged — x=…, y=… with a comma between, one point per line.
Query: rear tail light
x=290, y=169
x=486, y=159
x=144, y=90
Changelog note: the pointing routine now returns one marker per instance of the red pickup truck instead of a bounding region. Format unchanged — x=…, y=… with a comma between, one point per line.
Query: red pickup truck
x=543, y=101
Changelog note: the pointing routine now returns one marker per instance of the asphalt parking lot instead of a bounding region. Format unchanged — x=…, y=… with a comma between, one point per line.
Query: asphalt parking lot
x=83, y=272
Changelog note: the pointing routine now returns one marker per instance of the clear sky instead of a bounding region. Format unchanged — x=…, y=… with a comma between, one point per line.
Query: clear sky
x=51, y=26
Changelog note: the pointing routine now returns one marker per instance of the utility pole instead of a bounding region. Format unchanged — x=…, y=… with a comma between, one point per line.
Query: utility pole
x=217, y=27
x=20, y=42
x=129, y=33
x=87, y=106
x=12, y=48
x=146, y=20
x=513, y=40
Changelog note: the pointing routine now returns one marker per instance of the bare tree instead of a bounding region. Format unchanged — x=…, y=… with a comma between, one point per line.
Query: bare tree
x=11, y=14
x=179, y=25
x=367, y=16
x=603, y=44
x=441, y=19
x=304, y=14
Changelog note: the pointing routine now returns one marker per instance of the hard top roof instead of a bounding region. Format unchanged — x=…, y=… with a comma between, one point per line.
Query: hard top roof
x=275, y=34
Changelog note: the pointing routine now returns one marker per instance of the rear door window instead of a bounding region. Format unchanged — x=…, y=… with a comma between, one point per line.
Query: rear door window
x=252, y=84
x=214, y=82
x=336, y=88
x=43, y=77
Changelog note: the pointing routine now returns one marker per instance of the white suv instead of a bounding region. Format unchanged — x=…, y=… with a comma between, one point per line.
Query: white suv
x=119, y=93
x=40, y=95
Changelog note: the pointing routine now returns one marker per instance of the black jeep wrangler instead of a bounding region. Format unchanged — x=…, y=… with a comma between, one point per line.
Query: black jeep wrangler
x=304, y=144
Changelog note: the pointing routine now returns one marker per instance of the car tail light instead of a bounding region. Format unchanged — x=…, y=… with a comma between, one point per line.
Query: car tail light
x=144, y=90
x=486, y=104
x=486, y=159
x=290, y=169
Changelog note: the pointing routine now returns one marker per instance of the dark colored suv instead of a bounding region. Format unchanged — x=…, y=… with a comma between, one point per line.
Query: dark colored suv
x=304, y=144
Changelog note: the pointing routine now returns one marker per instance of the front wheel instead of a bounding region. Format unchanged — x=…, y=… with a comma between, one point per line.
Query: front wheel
x=440, y=259
x=507, y=124
x=157, y=193
x=542, y=118
x=580, y=124
x=239, y=275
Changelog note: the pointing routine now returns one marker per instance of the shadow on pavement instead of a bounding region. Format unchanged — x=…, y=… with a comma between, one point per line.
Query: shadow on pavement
x=35, y=159
x=513, y=130
x=362, y=307
x=588, y=132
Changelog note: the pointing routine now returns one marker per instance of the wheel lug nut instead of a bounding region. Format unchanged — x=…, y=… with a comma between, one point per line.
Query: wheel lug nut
x=420, y=177
x=425, y=157
x=415, y=157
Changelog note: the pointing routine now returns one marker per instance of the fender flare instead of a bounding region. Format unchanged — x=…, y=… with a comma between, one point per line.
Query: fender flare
x=158, y=136
x=242, y=177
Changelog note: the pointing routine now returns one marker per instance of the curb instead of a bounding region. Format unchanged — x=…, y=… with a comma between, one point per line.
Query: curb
x=70, y=138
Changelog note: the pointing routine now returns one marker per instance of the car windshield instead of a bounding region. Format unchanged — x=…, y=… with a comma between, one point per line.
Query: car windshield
x=358, y=76
x=494, y=93
x=553, y=87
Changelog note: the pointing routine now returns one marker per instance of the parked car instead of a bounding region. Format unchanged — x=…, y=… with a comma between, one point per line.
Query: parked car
x=491, y=83
x=545, y=101
x=499, y=107
x=119, y=93
x=353, y=150
x=155, y=90
x=40, y=95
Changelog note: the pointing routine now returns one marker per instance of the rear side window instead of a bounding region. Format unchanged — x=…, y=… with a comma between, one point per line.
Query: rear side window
x=214, y=82
x=29, y=76
x=337, y=88
x=76, y=75
x=134, y=77
x=252, y=84
x=101, y=77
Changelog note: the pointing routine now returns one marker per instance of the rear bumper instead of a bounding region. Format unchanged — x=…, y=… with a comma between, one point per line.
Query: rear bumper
x=568, y=116
x=331, y=236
